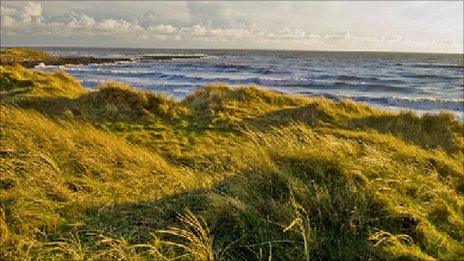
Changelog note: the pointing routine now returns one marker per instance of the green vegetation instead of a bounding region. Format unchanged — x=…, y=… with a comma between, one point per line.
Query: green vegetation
x=227, y=173
x=29, y=58
x=19, y=55
x=29, y=84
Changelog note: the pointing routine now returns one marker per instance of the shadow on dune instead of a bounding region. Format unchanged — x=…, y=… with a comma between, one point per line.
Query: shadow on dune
x=428, y=131
x=248, y=215
x=50, y=106
x=311, y=114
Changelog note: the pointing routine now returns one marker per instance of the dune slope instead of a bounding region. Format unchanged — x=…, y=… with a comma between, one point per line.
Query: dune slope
x=229, y=173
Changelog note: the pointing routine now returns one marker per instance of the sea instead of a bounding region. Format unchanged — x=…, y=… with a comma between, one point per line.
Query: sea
x=424, y=83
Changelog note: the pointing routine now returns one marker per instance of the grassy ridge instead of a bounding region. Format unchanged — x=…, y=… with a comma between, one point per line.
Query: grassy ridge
x=22, y=55
x=227, y=173
x=30, y=57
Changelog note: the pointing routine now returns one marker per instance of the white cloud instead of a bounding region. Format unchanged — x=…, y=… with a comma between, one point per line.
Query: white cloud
x=178, y=15
x=163, y=29
x=223, y=24
x=79, y=20
x=32, y=9
x=8, y=21
x=31, y=13
x=7, y=11
x=212, y=14
x=111, y=24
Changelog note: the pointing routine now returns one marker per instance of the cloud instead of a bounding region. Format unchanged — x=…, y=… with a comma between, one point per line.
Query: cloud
x=30, y=13
x=7, y=11
x=216, y=24
x=212, y=14
x=32, y=9
x=8, y=21
x=117, y=26
x=28, y=21
x=163, y=29
x=174, y=13
x=76, y=21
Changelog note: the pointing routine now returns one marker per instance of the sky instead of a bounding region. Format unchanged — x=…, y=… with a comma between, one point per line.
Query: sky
x=407, y=26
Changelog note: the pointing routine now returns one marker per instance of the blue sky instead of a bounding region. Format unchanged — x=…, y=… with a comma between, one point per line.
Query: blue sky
x=369, y=26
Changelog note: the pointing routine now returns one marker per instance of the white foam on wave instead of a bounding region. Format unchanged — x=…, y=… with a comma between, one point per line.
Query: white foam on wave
x=405, y=102
x=420, y=105
x=427, y=103
x=174, y=54
x=283, y=81
x=437, y=65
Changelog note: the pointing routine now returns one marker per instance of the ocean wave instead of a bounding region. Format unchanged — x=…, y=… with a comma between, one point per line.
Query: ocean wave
x=430, y=76
x=153, y=86
x=322, y=84
x=233, y=66
x=44, y=67
x=358, y=79
x=228, y=67
x=172, y=55
x=433, y=65
x=153, y=75
x=385, y=88
x=423, y=103
x=270, y=81
x=200, y=80
x=369, y=84
x=266, y=70
x=391, y=81
x=114, y=72
x=352, y=78
x=221, y=67
x=363, y=86
x=411, y=103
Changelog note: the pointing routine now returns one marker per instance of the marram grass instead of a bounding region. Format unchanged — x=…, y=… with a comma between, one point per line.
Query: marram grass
x=228, y=173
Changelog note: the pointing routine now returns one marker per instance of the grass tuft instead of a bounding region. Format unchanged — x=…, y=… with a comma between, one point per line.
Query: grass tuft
x=196, y=235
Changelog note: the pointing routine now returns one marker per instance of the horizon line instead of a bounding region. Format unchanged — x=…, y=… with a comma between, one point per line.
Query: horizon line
x=250, y=49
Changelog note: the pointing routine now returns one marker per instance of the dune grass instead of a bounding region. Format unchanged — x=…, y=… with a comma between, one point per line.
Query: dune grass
x=16, y=82
x=11, y=56
x=30, y=58
x=228, y=173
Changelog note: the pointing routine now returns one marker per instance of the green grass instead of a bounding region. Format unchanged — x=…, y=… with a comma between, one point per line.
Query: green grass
x=16, y=83
x=27, y=56
x=228, y=173
x=20, y=54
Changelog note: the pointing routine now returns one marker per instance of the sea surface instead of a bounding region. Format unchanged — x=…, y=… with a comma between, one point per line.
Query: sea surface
x=391, y=81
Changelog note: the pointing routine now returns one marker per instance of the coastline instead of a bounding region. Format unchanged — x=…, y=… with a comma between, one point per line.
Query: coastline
x=419, y=83
x=31, y=58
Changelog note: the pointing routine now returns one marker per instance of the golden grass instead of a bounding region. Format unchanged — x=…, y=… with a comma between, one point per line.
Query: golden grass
x=197, y=237
x=16, y=82
x=228, y=173
x=116, y=101
x=53, y=171
x=17, y=55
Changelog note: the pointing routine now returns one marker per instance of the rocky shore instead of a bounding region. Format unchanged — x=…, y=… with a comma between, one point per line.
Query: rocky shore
x=29, y=58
